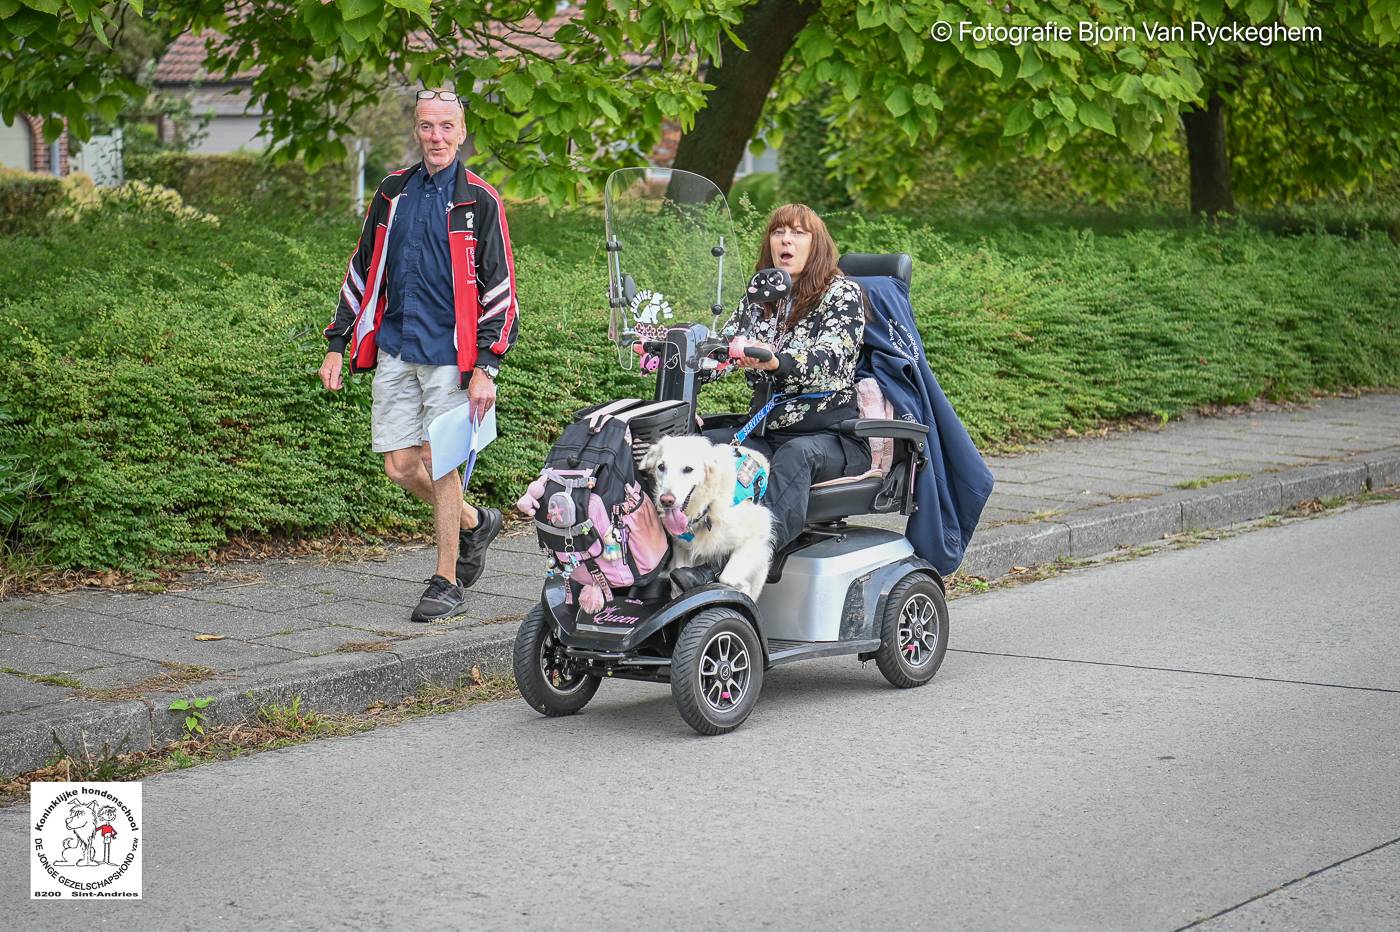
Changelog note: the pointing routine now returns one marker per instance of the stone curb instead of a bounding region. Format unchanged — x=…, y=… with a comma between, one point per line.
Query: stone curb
x=332, y=683
x=345, y=683
x=1101, y=530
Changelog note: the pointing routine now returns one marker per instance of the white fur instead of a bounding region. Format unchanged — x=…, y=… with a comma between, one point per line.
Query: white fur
x=739, y=532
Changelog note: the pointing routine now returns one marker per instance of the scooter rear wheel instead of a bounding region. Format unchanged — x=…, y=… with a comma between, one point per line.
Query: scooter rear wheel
x=716, y=671
x=913, y=632
x=540, y=671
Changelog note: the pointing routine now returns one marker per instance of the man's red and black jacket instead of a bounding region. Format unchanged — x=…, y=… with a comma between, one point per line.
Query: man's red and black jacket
x=483, y=276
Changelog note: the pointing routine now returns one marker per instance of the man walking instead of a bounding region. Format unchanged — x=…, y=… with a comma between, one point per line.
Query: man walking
x=429, y=302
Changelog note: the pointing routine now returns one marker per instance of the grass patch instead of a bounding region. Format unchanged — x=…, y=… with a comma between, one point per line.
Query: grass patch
x=213, y=332
x=174, y=678
x=48, y=679
x=1203, y=481
x=354, y=647
x=275, y=726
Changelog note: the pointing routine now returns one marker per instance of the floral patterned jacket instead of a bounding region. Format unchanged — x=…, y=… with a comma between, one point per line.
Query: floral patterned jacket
x=818, y=355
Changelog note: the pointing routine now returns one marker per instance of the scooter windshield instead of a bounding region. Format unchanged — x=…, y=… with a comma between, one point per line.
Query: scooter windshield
x=671, y=254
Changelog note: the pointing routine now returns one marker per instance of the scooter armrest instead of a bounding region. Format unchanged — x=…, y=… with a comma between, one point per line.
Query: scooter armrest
x=878, y=427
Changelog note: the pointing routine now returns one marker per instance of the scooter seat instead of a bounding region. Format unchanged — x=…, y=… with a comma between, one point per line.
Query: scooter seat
x=849, y=495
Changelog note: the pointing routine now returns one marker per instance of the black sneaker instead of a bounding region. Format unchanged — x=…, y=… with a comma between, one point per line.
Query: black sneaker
x=442, y=600
x=471, y=546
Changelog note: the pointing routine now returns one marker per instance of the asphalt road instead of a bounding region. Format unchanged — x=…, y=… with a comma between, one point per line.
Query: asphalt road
x=1212, y=732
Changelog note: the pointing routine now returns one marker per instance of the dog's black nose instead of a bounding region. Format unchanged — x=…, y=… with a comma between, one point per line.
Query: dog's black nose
x=667, y=500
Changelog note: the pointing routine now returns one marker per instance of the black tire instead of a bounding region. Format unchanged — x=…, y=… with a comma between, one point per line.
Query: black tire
x=705, y=670
x=544, y=685
x=910, y=657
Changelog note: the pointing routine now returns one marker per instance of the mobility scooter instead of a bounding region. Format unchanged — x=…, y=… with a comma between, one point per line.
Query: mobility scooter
x=838, y=589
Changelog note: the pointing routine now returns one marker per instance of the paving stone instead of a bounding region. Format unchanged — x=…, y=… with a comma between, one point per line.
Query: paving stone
x=260, y=596
x=1230, y=503
x=1333, y=480
x=213, y=618
x=381, y=589
x=316, y=641
x=32, y=617
x=17, y=693
x=156, y=642
x=30, y=654
x=120, y=674
x=103, y=602
x=355, y=613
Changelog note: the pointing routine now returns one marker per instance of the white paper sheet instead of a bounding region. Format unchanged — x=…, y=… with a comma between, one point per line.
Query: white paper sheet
x=456, y=440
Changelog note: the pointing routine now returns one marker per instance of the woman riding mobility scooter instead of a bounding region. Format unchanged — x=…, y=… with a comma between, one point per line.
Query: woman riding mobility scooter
x=836, y=589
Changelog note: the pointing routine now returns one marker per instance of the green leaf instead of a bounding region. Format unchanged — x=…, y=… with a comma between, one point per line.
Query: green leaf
x=1095, y=117
x=1260, y=10
x=816, y=45
x=986, y=58
x=519, y=89
x=109, y=107
x=419, y=8
x=1129, y=55
x=926, y=96
x=898, y=102
x=363, y=28
x=912, y=46
x=1126, y=87
x=1031, y=64
x=355, y=9
x=1018, y=120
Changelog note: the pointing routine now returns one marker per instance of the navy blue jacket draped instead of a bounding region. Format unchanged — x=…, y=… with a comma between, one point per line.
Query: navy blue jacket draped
x=952, y=488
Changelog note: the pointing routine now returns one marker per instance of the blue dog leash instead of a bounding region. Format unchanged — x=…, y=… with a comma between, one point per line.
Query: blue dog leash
x=743, y=432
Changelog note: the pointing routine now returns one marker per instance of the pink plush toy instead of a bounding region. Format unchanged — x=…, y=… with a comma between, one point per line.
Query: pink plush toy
x=530, y=502
x=590, y=599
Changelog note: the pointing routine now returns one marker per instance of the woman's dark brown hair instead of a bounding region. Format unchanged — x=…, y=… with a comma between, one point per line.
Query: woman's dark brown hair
x=820, y=270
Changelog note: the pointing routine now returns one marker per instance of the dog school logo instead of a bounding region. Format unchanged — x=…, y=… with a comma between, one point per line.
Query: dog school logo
x=86, y=839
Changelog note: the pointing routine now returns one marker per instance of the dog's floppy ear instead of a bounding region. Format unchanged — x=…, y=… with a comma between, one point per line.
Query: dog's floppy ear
x=652, y=457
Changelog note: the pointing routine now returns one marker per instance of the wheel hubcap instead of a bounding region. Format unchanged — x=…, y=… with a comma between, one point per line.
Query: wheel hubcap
x=918, y=630
x=554, y=667
x=724, y=671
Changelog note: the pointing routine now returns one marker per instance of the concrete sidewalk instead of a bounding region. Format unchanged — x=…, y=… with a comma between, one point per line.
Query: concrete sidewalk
x=102, y=668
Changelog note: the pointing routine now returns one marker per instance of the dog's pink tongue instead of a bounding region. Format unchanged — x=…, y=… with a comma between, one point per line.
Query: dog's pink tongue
x=675, y=521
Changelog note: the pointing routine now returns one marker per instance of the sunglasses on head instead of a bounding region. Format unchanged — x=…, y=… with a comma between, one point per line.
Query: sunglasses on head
x=443, y=95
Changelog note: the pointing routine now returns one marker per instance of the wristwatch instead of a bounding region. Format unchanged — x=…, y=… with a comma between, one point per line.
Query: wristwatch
x=491, y=371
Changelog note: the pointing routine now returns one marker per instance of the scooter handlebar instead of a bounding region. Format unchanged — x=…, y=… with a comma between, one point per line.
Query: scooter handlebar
x=757, y=352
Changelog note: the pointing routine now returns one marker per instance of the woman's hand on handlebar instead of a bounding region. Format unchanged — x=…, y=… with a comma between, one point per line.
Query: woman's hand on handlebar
x=763, y=357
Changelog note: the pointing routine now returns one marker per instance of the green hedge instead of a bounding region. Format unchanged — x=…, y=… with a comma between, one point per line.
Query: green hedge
x=26, y=198
x=244, y=181
x=158, y=389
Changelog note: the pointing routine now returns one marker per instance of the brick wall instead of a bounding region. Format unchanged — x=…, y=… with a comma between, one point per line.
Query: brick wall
x=39, y=156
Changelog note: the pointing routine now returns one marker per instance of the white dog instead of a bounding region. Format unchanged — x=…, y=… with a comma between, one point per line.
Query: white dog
x=706, y=495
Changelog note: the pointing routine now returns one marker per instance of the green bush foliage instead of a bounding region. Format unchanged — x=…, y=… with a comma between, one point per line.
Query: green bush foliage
x=26, y=198
x=158, y=389
x=244, y=181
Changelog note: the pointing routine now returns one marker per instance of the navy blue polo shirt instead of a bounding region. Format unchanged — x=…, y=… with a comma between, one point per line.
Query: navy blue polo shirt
x=419, y=320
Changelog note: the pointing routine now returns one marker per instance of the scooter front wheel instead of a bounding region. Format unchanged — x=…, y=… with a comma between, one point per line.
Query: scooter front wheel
x=913, y=632
x=541, y=670
x=716, y=671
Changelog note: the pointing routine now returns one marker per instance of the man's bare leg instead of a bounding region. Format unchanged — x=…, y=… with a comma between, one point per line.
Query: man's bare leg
x=448, y=509
x=408, y=470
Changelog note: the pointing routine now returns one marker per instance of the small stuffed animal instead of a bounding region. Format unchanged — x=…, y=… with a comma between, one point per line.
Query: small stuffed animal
x=769, y=285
